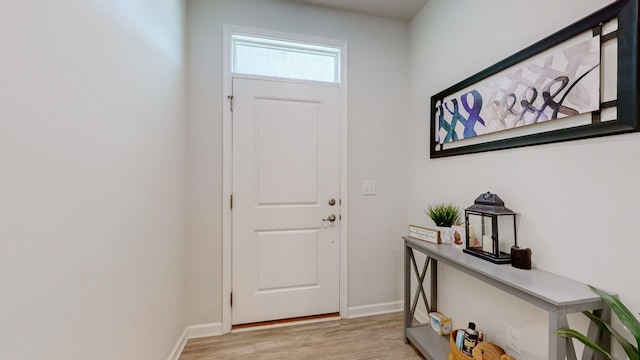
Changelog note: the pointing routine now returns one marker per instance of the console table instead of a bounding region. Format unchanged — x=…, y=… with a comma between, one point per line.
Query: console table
x=557, y=295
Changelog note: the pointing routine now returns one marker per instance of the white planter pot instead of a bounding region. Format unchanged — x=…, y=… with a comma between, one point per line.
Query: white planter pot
x=445, y=234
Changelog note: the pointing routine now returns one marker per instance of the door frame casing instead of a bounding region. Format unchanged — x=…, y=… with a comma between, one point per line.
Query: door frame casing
x=227, y=160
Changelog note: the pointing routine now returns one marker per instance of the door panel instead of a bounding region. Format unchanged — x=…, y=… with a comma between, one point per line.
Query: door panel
x=277, y=135
x=286, y=168
x=277, y=272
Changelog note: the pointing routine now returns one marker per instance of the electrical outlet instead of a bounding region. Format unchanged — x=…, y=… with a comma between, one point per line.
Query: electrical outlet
x=368, y=187
x=514, y=340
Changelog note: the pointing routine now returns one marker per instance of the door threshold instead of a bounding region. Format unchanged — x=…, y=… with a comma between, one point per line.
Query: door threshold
x=285, y=322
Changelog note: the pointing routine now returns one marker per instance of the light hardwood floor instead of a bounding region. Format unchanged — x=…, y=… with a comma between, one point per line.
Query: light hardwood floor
x=373, y=337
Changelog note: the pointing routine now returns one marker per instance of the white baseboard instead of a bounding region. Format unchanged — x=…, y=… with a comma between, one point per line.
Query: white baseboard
x=194, y=332
x=421, y=316
x=375, y=309
x=204, y=330
x=179, y=346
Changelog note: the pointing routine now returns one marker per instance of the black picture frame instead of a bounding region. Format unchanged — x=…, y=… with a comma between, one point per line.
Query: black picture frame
x=626, y=12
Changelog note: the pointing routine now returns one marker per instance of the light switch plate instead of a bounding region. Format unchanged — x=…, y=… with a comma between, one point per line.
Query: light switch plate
x=368, y=187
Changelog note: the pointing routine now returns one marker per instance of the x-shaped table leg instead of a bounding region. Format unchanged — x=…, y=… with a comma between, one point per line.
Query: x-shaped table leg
x=420, y=276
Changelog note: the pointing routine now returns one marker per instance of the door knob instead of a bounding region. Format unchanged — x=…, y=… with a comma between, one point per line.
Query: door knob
x=331, y=218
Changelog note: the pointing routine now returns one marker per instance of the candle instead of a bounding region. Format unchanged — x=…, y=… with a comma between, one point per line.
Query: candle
x=487, y=244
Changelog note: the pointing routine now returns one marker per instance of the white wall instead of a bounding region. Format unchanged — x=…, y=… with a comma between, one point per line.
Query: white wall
x=378, y=93
x=91, y=179
x=577, y=200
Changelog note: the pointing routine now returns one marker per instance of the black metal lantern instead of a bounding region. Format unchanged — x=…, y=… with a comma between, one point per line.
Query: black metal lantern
x=490, y=228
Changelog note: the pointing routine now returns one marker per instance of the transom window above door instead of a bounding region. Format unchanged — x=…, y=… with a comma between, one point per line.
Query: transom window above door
x=261, y=56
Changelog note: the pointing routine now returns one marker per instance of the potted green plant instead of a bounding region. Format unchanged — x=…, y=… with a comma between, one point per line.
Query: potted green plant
x=626, y=318
x=444, y=215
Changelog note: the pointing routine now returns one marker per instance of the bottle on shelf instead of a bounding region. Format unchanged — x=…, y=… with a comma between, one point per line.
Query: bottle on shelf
x=470, y=339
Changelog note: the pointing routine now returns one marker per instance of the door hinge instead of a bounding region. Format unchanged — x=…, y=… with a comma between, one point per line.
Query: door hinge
x=230, y=97
x=231, y=201
x=231, y=299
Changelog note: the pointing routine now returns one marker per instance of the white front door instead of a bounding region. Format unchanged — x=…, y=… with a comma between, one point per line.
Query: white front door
x=286, y=160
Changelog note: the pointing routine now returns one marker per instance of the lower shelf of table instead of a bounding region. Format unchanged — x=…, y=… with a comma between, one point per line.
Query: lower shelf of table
x=430, y=344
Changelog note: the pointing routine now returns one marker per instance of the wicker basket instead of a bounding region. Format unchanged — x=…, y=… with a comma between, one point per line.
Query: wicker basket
x=488, y=351
x=483, y=351
x=454, y=352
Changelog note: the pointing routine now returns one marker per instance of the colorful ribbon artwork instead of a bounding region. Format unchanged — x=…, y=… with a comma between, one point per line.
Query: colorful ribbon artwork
x=556, y=85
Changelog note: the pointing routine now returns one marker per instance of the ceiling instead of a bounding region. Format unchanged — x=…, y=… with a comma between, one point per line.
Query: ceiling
x=395, y=9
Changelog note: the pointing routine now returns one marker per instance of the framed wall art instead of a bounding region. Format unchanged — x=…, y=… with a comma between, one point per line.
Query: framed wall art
x=579, y=82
